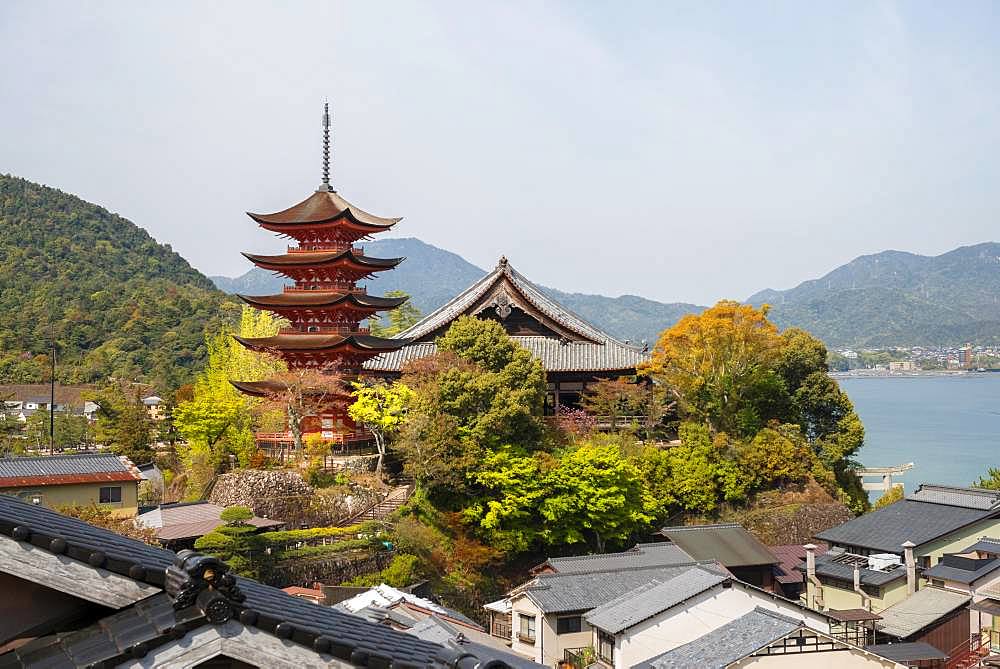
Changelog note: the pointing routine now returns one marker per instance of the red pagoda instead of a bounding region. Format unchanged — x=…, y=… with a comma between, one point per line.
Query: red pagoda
x=324, y=306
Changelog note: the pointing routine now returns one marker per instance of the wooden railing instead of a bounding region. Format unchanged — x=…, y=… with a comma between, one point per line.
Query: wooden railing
x=970, y=653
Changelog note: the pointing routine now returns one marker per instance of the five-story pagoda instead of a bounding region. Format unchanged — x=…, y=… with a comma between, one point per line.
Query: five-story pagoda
x=324, y=306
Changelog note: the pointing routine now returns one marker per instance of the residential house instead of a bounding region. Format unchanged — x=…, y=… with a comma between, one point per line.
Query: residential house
x=660, y=615
x=103, y=479
x=180, y=525
x=733, y=547
x=661, y=554
x=765, y=638
x=547, y=613
x=932, y=615
x=789, y=577
x=78, y=595
x=875, y=560
x=38, y=396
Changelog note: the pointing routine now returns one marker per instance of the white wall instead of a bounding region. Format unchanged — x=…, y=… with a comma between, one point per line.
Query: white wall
x=824, y=660
x=549, y=645
x=699, y=616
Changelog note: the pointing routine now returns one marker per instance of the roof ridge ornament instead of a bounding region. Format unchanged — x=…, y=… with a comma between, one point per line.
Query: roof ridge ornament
x=203, y=581
x=502, y=263
x=325, y=185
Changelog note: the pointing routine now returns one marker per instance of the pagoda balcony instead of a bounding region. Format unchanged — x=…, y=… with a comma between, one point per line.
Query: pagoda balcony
x=343, y=330
x=335, y=287
x=332, y=246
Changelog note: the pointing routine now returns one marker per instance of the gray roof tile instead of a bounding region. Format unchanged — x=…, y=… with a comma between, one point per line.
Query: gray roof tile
x=728, y=543
x=826, y=565
x=652, y=598
x=961, y=569
x=888, y=528
x=920, y=610
x=560, y=593
x=969, y=498
x=663, y=554
x=53, y=465
x=728, y=643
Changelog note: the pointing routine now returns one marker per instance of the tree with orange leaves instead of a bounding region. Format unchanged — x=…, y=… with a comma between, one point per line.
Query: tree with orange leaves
x=720, y=365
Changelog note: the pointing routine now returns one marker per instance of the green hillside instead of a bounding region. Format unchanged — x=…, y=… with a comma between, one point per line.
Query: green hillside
x=898, y=298
x=114, y=301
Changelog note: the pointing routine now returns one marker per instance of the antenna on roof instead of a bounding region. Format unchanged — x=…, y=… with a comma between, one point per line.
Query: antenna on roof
x=325, y=186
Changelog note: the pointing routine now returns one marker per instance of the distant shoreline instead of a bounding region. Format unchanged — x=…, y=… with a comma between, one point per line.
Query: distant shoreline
x=885, y=374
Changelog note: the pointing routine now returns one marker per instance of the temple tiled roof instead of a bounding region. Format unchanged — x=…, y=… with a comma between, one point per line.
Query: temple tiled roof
x=321, y=207
x=312, y=341
x=320, y=258
x=321, y=298
x=583, y=348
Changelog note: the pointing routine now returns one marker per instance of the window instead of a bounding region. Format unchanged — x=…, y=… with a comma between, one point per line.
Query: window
x=527, y=630
x=569, y=625
x=111, y=495
x=606, y=646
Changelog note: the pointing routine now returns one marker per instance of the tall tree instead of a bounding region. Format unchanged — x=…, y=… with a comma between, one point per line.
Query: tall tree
x=306, y=393
x=123, y=424
x=381, y=408
x=399, y=319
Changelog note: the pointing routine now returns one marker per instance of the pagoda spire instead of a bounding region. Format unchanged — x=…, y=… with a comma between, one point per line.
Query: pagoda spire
x=325, y=185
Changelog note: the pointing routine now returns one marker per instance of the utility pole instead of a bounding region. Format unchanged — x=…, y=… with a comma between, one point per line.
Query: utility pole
x=52, y=403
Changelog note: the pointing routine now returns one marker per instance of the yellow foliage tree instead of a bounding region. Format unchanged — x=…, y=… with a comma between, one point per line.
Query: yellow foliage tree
x=718, y=362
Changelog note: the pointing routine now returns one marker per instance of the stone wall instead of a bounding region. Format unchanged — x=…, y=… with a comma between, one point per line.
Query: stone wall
x=331, y=570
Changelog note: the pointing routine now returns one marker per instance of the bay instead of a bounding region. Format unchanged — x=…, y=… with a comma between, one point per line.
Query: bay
x=948, y=426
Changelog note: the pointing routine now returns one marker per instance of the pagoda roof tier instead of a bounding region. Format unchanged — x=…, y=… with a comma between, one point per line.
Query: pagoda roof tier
x=271, y=387
x=318, y=342
x=324, y=207
x=307, y=259
x=321, y=299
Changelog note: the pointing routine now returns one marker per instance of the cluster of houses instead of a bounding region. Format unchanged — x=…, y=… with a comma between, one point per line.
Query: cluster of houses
x=915, y=584
x=21, y=401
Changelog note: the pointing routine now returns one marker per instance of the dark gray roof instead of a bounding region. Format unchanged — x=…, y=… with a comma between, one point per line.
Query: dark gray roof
x=663, y=554
x=727, y=644
x=888, y=528
x=728, y=543
x=961, y=569
x=907, y=652
x=826, y=565
x=969, y=498
x=919, y=611
x=560, y=593
x=984, y=545
x=595, y=350
x=354, y=639
x=439, y=631
x=652, y=598
x=52, y=465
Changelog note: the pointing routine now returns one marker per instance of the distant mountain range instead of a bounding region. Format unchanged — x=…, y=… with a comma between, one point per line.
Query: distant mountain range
x=898, y=298
x=432, y=276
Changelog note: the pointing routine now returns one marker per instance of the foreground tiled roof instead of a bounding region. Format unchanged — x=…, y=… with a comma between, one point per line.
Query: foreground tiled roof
x=663, y=554
x=560, y=593
x=888, y=528
x=728, y=643
x=651, y=599
x=65, y=469
x=585, y=348
x=728, y=543
x=920, y=610
x=265, y=608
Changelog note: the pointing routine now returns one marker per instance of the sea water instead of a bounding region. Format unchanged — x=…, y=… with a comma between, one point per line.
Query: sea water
x=948, y=426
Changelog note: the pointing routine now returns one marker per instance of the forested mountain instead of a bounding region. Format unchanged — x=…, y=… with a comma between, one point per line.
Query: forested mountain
x=432, y=276
x=112, y=299
x=898, y=298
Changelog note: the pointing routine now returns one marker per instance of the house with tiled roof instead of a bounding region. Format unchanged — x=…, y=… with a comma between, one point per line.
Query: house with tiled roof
x=764, y=638
x=572, y=351
x=102, y=479
x=662, y=614
x=732, y=546
x=879, y=558
x=179, y=525
x=75, y=595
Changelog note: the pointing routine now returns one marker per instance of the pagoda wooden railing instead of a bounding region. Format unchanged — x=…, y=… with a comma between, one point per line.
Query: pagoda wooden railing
x=342, y=287
x=312, y=248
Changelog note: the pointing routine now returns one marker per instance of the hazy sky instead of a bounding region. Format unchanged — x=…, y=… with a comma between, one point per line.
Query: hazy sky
x=684, y=151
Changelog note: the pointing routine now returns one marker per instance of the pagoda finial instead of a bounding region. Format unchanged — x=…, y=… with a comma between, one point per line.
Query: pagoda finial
x=325, y=186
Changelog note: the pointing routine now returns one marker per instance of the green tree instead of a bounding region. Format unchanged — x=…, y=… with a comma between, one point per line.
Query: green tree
x=12, y=439
x=890, y=497
x=401, y=318
x=70, y=431
x=123, y=425
x=381, y=408
x=991, y=480
x=236, y=543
